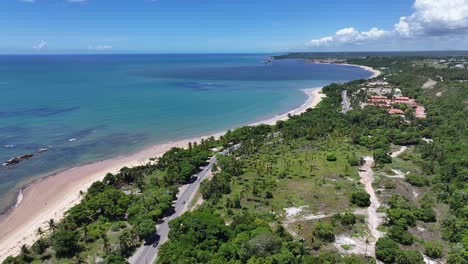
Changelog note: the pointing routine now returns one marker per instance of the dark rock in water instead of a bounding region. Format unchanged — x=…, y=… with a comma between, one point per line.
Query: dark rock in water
x=17, y=160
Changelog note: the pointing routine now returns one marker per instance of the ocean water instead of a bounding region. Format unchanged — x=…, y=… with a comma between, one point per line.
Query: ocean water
x=86, y=108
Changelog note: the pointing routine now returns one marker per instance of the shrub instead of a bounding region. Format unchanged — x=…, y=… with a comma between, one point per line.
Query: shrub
x=400, y=235
x=263, y=245
x=426, y=214
x=346, y=219
x=386, y=250
x=409, y=257
x=324, y=232
x=331, y=157
x=355, y=161
x=146, y=229
x=402, y=217
x=65, y=243
x=360, y=198
x=433, y=249
x=380, y=156
x=416, y=180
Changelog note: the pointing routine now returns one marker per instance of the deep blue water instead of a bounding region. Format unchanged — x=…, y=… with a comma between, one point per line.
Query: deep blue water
x=90, y=107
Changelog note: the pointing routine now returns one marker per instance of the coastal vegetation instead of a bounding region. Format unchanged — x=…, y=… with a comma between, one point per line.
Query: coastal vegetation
x=291, y=192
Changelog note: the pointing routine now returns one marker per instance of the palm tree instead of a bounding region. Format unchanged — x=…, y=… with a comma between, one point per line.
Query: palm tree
x=24, y=249
x=39, y=231
x=52, y=225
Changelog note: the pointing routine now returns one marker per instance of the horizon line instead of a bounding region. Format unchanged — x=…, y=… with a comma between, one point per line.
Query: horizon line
x=217, y=53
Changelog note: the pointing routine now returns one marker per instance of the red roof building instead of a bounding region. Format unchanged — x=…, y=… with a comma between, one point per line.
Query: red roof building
x=384, y=102
x=395, y=111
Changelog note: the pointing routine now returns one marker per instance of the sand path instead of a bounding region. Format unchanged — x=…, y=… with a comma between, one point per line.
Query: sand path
x=373, y=218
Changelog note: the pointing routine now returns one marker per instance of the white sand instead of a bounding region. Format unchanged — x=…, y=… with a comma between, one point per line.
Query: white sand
x=51, y=197
x=375, y=73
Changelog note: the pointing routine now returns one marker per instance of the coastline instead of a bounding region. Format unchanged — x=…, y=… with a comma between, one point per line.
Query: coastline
x=50, y=197
x=375, y=73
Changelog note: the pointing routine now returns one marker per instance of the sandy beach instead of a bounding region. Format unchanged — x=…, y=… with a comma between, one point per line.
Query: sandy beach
x=52, y=196
x=375, y=73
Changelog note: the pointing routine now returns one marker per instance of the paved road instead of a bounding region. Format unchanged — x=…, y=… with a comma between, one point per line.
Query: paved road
x=147, y=253
x=345, y=102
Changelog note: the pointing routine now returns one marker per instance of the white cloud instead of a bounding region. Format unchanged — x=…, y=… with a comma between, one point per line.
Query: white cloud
x=350, y=35
x=27, y=1
x=99, y=47
x=321, y=41
x=430, y=18
x=435, y=18
x=41, y=45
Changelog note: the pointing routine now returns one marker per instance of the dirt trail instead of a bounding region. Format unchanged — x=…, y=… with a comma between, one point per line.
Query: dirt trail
x=398, y=152
x=373, y=218
x=429, y=84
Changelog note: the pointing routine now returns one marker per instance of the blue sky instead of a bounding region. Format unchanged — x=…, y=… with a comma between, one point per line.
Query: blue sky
x=172, y=26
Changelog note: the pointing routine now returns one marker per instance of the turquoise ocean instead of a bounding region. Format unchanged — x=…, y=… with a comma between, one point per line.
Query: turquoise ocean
x=86, y=108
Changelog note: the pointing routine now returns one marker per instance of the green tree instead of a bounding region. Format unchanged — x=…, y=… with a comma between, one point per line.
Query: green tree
x=65, y=243
x=433, y=249
x=146, y=229
x=324, y=232
x=409, y=257
x=386, y=250
x=263, y=245
x=360, y=198
x=400, y=235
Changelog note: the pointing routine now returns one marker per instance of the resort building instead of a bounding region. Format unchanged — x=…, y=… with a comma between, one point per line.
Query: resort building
x=384, y=102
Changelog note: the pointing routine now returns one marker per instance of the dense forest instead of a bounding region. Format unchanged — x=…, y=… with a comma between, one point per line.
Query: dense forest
x=291, y=193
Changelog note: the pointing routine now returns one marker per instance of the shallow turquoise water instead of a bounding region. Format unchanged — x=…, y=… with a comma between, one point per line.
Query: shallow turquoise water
x=90, y=107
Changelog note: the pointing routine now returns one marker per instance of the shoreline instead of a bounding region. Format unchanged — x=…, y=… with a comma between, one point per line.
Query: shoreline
x=51, y=196
x=375, y=73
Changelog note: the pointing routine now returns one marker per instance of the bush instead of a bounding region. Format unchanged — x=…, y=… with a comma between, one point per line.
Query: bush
x=331, y=157
x=380, y=156
x=346, y=219
x=386, y=250
x=360, y=198
x=65, y=243
x=426, y=214
x=146, y=229
x=416, y=180
x=409, y=257
x=324, y=232
x=355, y=161
x=400, y=235
x=402, y=217
x=263, y=245
x=433, y=249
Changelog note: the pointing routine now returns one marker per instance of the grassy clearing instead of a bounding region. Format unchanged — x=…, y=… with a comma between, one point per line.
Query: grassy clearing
x=317, y=176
